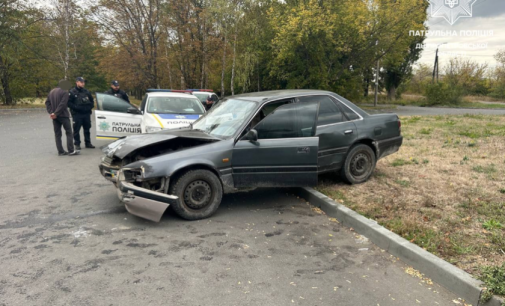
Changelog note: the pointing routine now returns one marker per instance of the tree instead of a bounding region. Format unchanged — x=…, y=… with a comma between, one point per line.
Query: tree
x=134, y=26
x=13, y=23
x=498, y=76
x=62, y=17
x=467, y=75
x=331, y=45
x=397, y=73
x=420, y=78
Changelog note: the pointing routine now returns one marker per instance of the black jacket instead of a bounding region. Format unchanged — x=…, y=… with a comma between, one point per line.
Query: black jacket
x=120, y=94
x=80, y=101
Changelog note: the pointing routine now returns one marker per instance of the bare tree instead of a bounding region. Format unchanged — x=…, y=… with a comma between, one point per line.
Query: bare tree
x=62, y=17
x=134, y=25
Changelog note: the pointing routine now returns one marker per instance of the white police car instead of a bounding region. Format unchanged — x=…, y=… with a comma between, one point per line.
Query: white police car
x=160, y=109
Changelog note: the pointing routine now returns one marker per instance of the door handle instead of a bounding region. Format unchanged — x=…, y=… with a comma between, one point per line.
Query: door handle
x=303, y=150
x=348, y=132
x=101, y=117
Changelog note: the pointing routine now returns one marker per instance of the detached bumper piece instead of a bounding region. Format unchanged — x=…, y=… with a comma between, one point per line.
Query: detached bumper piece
x=141, y=202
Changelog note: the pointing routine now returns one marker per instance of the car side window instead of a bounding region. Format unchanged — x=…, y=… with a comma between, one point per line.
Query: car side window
x=215, y=98
x=351, y=115
x=329, y=112
x=112, y=104
x=289, y=121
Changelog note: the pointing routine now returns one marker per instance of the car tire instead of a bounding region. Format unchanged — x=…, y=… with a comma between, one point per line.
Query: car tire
x=359, y=164
x=199, y=194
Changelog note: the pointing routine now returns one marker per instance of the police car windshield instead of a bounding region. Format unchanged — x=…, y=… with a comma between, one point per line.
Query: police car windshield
x=174, y=105
x=226, y=118
x=202, y=97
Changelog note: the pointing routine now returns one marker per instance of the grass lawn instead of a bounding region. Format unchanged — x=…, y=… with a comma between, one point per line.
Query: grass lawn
x=444, y=190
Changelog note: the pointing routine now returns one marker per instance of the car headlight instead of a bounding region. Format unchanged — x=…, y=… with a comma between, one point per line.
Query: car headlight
x=151, y=129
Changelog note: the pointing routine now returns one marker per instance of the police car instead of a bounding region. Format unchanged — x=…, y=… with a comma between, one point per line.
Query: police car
x=160, y=109
x=203, y=94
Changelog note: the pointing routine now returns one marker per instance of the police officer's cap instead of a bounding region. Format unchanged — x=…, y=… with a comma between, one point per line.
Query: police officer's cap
x=80, y=79
x=115, y=83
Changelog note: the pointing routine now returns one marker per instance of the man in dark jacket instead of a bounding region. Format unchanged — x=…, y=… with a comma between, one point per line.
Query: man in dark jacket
x=81, y=103
x=116, y=92
x=56, y=105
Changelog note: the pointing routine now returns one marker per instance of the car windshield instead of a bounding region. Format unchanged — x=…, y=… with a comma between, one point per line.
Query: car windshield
x=224, y=119
x=174, y=105
x=202, y=97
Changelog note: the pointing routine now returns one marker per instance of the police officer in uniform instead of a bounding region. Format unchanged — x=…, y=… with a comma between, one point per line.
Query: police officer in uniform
x=81, y=103
x=116, y=92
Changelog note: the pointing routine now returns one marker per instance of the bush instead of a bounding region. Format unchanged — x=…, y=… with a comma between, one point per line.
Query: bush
x=443, y=94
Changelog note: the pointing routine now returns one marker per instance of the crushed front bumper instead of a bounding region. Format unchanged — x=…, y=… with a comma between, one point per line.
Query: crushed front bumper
x=108, y=171
x=141, y=202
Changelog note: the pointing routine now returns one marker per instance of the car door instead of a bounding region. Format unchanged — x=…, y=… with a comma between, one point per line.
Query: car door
x=115, y=117
x=285, y=153
x=335, y=131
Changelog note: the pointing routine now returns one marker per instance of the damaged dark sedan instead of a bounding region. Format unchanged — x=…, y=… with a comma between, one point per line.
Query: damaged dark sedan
x=266, y=139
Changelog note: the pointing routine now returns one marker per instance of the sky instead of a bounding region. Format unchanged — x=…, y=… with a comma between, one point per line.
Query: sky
x=487, y=15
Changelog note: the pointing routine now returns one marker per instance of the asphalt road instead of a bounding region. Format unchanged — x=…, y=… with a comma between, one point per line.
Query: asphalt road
x=65, y=239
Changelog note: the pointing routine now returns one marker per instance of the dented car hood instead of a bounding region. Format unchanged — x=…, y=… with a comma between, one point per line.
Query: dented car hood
x=124, y=146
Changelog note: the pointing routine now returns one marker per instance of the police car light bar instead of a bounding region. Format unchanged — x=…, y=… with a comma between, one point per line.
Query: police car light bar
x=167, y=90
x=204, y=90
x=158, y=90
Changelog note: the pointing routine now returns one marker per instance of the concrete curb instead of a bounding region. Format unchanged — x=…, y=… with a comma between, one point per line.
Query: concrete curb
x=439, y=270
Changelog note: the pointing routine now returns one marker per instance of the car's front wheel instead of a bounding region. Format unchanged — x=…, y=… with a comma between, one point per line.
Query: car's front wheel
x=359, y=164
x=199, y=194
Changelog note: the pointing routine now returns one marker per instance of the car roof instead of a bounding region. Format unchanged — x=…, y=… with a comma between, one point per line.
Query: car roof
x=170, y=94
x=265, y=96
x=203, y=92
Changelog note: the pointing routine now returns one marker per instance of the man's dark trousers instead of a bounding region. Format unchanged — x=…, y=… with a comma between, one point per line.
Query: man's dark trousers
x=84, y=121
x=57, y=124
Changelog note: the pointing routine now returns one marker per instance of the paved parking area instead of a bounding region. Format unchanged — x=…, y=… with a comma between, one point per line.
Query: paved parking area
x=65, y=239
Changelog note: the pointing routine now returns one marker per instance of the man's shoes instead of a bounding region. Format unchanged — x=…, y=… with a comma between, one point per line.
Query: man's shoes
x=77, y=148
x=76, y=152
x=63, y=153
x=89, y=146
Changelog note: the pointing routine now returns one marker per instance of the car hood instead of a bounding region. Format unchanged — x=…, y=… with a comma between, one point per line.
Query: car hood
x=124, y=146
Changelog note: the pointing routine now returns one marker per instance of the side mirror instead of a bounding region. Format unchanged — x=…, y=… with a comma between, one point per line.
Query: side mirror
x=252, y=135
x=133, y=110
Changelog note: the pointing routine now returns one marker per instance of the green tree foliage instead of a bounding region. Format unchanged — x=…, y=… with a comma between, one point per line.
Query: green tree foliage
x=498, y=77
x=230, y=46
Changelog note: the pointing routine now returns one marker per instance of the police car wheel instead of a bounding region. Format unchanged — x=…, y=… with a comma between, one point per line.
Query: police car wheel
x=199, y=194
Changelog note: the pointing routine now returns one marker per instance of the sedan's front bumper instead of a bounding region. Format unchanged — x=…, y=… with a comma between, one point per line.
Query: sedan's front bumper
x=141, y=202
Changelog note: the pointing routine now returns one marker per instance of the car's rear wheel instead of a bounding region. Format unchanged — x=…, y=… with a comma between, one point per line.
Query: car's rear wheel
x=199, y=194
x=359, y=164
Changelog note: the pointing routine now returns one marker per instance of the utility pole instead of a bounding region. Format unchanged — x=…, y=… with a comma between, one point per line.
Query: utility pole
x=376, y=83
x=376, y=79
x=435, y=67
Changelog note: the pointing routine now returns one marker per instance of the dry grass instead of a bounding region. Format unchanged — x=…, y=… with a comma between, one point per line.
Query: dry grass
x=444, y=190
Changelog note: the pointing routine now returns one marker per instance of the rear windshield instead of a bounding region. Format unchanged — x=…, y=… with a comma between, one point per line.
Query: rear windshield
x=174, y=105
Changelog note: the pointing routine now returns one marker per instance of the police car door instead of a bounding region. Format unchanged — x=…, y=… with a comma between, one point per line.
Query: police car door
x=115, y=117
